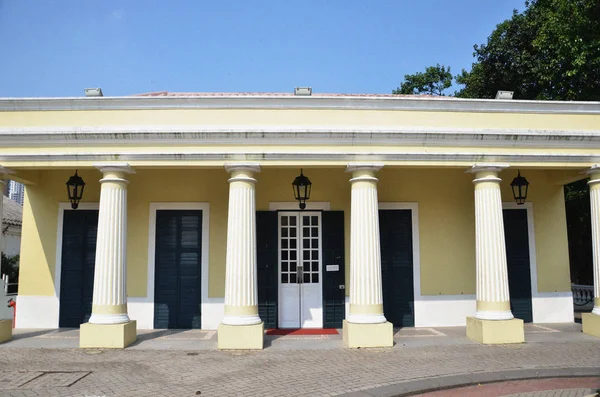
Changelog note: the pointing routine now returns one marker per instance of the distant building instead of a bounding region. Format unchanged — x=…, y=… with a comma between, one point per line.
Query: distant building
x=12, y=214
x=16, y=191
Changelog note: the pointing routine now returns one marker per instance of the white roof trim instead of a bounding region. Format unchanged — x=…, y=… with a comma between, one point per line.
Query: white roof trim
x=418, y=103
x=290, y=135
x=322, y=156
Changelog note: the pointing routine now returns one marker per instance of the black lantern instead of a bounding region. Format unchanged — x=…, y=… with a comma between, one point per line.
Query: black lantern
x=301, y=187
x=75, y=186
x=519, y=187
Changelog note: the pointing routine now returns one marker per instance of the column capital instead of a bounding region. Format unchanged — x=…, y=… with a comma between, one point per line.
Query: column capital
x=487, y=172
x=373, y=167
x=115, y=167
x=594, y=173
x=487, y=167
x=242, y=166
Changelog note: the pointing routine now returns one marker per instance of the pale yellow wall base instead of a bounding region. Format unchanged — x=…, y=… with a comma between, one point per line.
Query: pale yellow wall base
x=245, y=337
x=116, y=336
x=590, y=324
x=5, y=330
x=368, y=335
x=495, y=332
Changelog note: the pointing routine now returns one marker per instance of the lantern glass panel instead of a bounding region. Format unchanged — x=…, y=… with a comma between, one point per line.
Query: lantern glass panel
x=302, y=191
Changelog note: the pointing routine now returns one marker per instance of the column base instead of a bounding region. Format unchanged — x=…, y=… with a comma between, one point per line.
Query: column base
x=113, y=336
x=591, y=324
x=495, y=332
x=241, y=337
x=367, y=335
x=5, y=330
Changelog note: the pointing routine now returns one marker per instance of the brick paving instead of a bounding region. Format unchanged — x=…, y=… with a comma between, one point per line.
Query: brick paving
x=287, y=367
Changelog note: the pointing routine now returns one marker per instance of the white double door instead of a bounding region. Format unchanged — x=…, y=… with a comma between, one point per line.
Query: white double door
x=300, y=273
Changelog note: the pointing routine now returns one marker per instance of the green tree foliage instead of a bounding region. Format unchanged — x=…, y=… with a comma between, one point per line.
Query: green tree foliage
x=10, y=265
x=550, y=51
x=433, y=82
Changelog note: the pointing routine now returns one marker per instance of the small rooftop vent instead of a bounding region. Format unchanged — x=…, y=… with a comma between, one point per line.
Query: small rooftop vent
x=93, y=92
x=504, y=95
x=303, y=91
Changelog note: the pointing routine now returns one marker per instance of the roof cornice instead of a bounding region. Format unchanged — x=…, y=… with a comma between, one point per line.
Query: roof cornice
x=325, y=157
x=291, y=102
x=136, y=135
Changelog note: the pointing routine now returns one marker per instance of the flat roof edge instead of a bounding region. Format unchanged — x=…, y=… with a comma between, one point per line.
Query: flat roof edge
x=419, y=103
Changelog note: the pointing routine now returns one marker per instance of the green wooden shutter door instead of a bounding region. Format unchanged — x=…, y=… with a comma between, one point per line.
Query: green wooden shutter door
x=267, y=267
x=177, y=283
x=395, y=227
x=516, y=236
x=334, y=298
x=77, y=267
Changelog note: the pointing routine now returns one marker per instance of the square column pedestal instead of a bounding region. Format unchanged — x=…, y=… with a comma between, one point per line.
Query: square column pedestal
x=591, y=324
x=5, y=330
x=495, y=332
x=109, y=336
x=241, y=337
x=357, y=335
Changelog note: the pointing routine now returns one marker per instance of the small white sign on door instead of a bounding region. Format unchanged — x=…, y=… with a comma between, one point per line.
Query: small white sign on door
x=333, y=268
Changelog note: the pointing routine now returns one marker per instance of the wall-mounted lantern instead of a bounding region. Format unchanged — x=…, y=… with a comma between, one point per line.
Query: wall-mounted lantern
x=519, y=188
x=75, y=186
x=301, y=187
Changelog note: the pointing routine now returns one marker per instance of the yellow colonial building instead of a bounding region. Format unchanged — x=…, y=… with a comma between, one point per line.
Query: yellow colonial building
x=188, y=218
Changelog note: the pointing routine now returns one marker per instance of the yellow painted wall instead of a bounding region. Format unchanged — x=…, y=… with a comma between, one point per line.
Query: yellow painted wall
x=38, y=247
x=322, y=117
x=40, y=221
x=446, y=220
x=446, y=224
x=550, y=224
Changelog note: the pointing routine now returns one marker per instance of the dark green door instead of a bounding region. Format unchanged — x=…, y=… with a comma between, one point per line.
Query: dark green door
x=334, y=296
x=517, y=256
x=77, y=267
x=178, y=269
x=395, y=228
x=266, y=256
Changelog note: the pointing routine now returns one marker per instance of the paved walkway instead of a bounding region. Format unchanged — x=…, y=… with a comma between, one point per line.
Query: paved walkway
x=185, y=363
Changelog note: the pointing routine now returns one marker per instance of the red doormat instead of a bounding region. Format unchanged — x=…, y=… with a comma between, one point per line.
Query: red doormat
x=302, y=331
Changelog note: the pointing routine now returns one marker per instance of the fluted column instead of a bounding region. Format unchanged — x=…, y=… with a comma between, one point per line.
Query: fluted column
x=594, y=184
x=109, y=304
x=241, y=297
x=493, y=300
x=366, y=299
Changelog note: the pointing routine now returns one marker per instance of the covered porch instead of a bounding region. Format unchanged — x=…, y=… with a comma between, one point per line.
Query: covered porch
x=421, y=222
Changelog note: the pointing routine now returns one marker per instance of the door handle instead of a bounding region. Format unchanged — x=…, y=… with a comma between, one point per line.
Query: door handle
x=342, y=286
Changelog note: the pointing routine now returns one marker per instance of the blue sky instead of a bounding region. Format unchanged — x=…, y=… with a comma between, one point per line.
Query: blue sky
x=57, y=48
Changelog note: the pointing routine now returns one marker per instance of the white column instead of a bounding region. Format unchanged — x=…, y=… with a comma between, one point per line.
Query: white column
x=241, y=296
x=366, y=298
x=493, y=300
x=109, y=304
x=594, y=184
